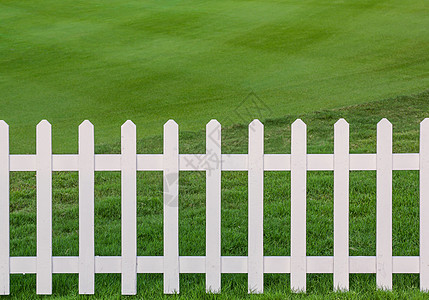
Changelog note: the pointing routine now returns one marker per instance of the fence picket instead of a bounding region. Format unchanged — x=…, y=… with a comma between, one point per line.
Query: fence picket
x=256, y=207
x=44, y=208
x=298, y=163
x=213, y=206
x=4, y=209
x=129, y=208
x=341, y=205
x=86, y=208
x=384, y=205
x=171, y=207
x=424, y=205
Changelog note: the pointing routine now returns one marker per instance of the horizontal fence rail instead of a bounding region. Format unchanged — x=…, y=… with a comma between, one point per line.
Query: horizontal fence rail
x=213, y=162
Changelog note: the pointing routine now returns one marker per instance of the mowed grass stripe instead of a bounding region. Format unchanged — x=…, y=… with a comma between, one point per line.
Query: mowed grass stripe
x=109, y=61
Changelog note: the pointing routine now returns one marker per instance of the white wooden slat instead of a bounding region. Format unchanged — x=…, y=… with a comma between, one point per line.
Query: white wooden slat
x=298, y=164
x=406, y=264
x=150, y=264
x=65, y=264
x=86, y=208
x=231, y=162
x=363, y=264
x=320, y=264
x=129, y=208
x=277, y=162
x=256, y=208
x=341, y=205
x=213, y=161
x=363, y=162
x=149, y=162
x=277, y=264
x=108, y=264
x=44, y=208
x=192, y=264
x=405, y=161
x=234, y=162
x=62, y=263
x=107, y=162
x=193, y=162
x=320, y=162
x=384, y=205
x=4, y=209
x=234, y=264
x=65, y=162
x=23, y=265
x=424, y=205
x=22, y=162
x=171, y=207
x=230, y=264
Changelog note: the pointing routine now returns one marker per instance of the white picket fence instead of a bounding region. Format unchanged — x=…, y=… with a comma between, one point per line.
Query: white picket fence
x=298, y=264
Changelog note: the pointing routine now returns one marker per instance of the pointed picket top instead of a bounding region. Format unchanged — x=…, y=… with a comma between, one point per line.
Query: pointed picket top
x=170, y=124
x=128, y=124
x=4, y=128
x=299, y=124
x=213, y=132
x=43, y=124
x=341, y=122
x=256, y=125
x=256, y=122
x=86, y=124
x=424, y=123
x=341, y=127
x=385, y=123
x=213, y=124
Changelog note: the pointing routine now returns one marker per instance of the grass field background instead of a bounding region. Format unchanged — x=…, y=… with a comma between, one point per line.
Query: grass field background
x=149, y=61
x=192, y=61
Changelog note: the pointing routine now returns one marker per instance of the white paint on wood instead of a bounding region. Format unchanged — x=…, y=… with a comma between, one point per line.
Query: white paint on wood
x=171, y=207
x=213, y=161
x=341, y=205
x=44, y=208
x=298, y=277
x=230, y=264
x=4, y=209
x=230, y=162
x=256, y=208
x=86, y=208
x=384, y=205
x=129, y=208
x=255, y=264
x=424, y=205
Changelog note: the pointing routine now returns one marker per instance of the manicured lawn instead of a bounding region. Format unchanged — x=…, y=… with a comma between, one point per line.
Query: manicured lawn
x=404, y=112
x=192, y=61
x=113, y=60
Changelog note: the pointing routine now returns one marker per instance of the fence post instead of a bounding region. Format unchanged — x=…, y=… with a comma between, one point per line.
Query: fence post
x=256, y=207
x=298, y=167
x=129, y=208
x=86, y=208
x=44, y=208
x=424, y=205
x=341, y=205
x=213, y=206
x=384, y=205
x=4, y=209
x=171, y=207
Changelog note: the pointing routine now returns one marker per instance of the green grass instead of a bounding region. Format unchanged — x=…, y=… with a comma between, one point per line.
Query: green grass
x=404, y=112
x=150, y=61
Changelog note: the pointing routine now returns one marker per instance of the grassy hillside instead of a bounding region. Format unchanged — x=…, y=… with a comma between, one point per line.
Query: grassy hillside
x=149, y=61
x=404, y=112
